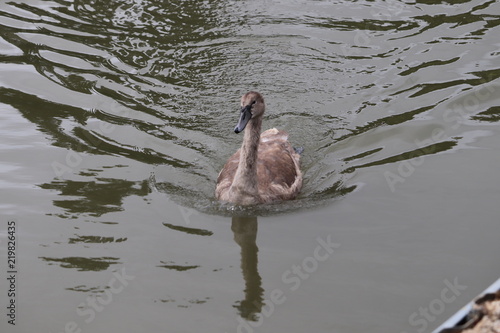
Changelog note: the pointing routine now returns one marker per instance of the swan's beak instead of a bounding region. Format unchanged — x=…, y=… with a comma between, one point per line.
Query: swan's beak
x=245, y=116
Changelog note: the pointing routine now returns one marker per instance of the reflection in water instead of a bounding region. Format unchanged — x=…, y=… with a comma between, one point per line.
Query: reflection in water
x=179, y=268
x=422, y=151
x=245, y=234
x=94, y=198
x=84, y=264
x=88, y=290
x=192, y=231
x=490, y=115
x=95, y=239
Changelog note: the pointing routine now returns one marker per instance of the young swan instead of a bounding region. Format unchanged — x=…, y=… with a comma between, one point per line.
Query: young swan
x=265, y=168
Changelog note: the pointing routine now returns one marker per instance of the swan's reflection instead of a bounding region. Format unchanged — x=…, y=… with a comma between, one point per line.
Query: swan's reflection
x=245, y=235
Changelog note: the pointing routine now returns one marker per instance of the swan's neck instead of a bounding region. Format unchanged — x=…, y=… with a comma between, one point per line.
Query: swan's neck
x=245, y=179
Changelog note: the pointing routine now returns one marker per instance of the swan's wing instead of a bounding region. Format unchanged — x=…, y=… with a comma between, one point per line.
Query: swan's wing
x=273, y=134
x=278, y=166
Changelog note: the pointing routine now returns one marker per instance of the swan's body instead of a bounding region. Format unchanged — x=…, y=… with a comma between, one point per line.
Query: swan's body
x=265, y=168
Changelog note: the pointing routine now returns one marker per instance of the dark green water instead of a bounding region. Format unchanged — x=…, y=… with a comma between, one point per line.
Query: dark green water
x=116, y=117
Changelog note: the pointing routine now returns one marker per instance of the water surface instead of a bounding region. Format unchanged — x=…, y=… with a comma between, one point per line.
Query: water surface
x=117, y=116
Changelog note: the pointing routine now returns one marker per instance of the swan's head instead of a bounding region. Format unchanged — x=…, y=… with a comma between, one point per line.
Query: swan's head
x=252, y=106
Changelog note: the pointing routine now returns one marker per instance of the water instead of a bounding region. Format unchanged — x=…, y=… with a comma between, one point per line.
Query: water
x=117, y=116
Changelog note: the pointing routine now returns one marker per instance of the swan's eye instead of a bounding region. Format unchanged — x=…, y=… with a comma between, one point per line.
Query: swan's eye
x=254, y=102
